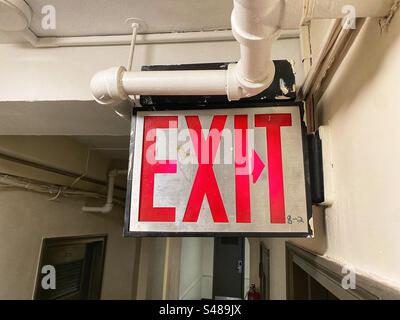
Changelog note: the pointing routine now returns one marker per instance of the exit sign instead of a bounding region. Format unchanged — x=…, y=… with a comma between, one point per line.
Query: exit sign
x=238, y=171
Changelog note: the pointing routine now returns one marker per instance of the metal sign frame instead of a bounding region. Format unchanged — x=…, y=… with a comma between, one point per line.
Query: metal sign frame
x=128, y=233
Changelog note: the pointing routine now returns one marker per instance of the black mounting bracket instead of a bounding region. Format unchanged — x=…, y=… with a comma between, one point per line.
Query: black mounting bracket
x=316, y=168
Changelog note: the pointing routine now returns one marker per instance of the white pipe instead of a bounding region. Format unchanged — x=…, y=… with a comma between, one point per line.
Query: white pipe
x=113, y=84
x=135, y=27
x=116, y=40
x=255, y=25
x=253, y=30
x=196, y=82
x=108, y=206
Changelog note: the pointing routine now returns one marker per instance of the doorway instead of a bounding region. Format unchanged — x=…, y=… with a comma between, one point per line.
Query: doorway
x=228, y=278
x=264, y=272
x=78, y=268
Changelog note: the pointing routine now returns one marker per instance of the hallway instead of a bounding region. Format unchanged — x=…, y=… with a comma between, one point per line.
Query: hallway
x=115, y=183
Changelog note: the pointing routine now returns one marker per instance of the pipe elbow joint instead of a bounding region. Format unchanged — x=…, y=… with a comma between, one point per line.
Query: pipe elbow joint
x=107, y=86
x=104, y=209
x=108, y=207
x=237, y=87
x=113, y=173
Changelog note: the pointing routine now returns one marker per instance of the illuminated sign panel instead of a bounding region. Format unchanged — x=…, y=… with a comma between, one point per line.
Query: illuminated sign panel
x=220, y=171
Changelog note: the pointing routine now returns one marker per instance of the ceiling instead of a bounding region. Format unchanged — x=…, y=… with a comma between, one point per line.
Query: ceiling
x=92, y=125
x=114, y=147
x=107, y=17
x=60, y=118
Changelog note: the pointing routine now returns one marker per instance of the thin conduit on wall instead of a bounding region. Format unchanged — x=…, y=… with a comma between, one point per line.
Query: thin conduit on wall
x=55, y=191
x=56, y=170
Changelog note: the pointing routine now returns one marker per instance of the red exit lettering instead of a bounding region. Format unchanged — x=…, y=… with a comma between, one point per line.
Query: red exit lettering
x=205, y=184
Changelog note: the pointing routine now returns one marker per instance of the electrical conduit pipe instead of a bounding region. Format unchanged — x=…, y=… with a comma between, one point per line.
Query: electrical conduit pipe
x=250, y=76
x=255, y=25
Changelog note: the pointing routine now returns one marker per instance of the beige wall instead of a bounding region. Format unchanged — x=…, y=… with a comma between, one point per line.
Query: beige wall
x=361, y=110
x=277, y=267
x=26, y=218
x=156, y=268
x=253, y=263
x=59, y=152
x=277, y=248
x=207, y=267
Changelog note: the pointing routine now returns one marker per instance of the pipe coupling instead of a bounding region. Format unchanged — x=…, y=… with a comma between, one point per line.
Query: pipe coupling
x=237, y=87
x=107, y=86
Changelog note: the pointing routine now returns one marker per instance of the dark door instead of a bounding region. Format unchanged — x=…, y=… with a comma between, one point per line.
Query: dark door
x=264, y=272
x=78, y=266
x=228, y=268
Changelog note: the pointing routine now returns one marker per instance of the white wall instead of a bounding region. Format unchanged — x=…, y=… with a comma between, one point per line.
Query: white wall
x=247, y=257
x=207, y=268
x=191, y=270
x=254, y=272
x=196, y=268
x=277, y=267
